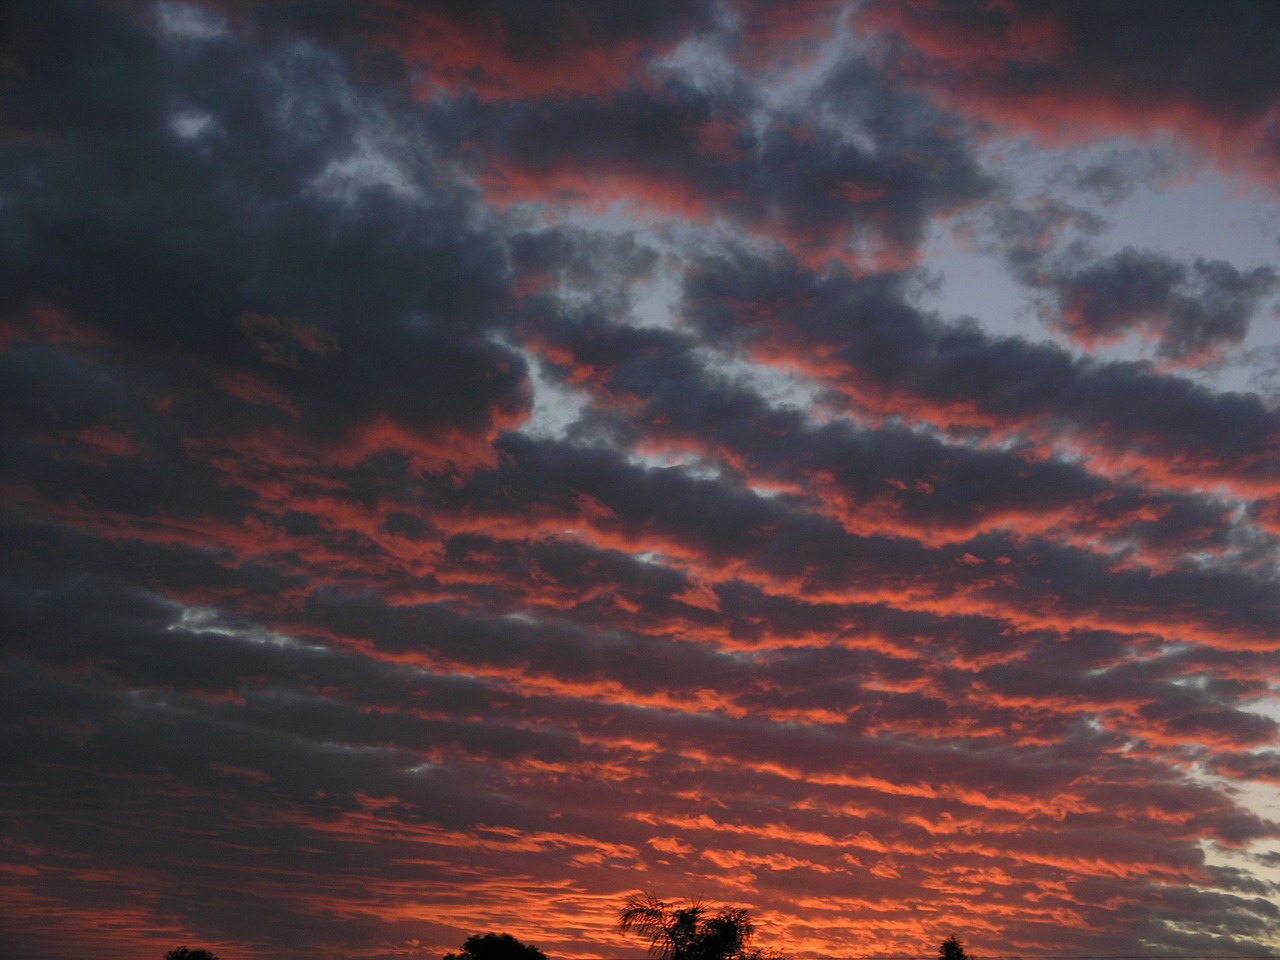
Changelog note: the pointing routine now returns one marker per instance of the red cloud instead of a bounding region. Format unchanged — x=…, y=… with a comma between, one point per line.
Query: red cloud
x=1079, y=70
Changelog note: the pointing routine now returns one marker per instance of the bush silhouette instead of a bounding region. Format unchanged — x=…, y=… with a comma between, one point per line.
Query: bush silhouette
x=496, y=946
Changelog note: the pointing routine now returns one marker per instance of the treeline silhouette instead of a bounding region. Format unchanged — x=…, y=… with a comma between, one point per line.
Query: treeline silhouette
x=685, y=930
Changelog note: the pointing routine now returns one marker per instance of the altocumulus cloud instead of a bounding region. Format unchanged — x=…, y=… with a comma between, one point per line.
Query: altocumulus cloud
x=465, y=462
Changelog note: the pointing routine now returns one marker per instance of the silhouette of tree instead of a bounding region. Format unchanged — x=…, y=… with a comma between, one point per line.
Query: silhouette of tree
x=496, y=946
x=182, y=953
x=952, y=949
x=689, y=932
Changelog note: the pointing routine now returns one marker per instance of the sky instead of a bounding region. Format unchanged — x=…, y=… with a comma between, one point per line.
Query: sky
x=466, y=462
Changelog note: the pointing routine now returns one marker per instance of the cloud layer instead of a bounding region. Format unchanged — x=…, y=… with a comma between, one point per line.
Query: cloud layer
x=464, y=463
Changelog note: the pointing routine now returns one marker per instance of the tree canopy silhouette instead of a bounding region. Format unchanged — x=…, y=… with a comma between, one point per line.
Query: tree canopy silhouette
x=689, y=931
x=182, y=953
x=952, y=949
x=496, y=946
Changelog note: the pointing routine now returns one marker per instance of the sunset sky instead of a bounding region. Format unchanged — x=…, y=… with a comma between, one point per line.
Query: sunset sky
x=467, y=462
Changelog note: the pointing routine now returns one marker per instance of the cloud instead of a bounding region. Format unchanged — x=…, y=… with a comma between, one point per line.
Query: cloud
x=1193, y=310
x=958, y=378
x=858, y=166
x=1080, y=70
x=501, y=50
x=807, y=598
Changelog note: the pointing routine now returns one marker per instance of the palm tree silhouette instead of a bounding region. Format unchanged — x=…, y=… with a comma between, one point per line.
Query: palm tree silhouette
x=687, y=932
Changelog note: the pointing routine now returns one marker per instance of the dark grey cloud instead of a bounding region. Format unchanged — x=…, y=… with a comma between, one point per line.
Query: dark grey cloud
x=1083, y=55
x=870, y=326
x=226, y=256
x=651, y=386
x=1118, y=173
x=1193, y=310
x=858, y=163
x=499, y=48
